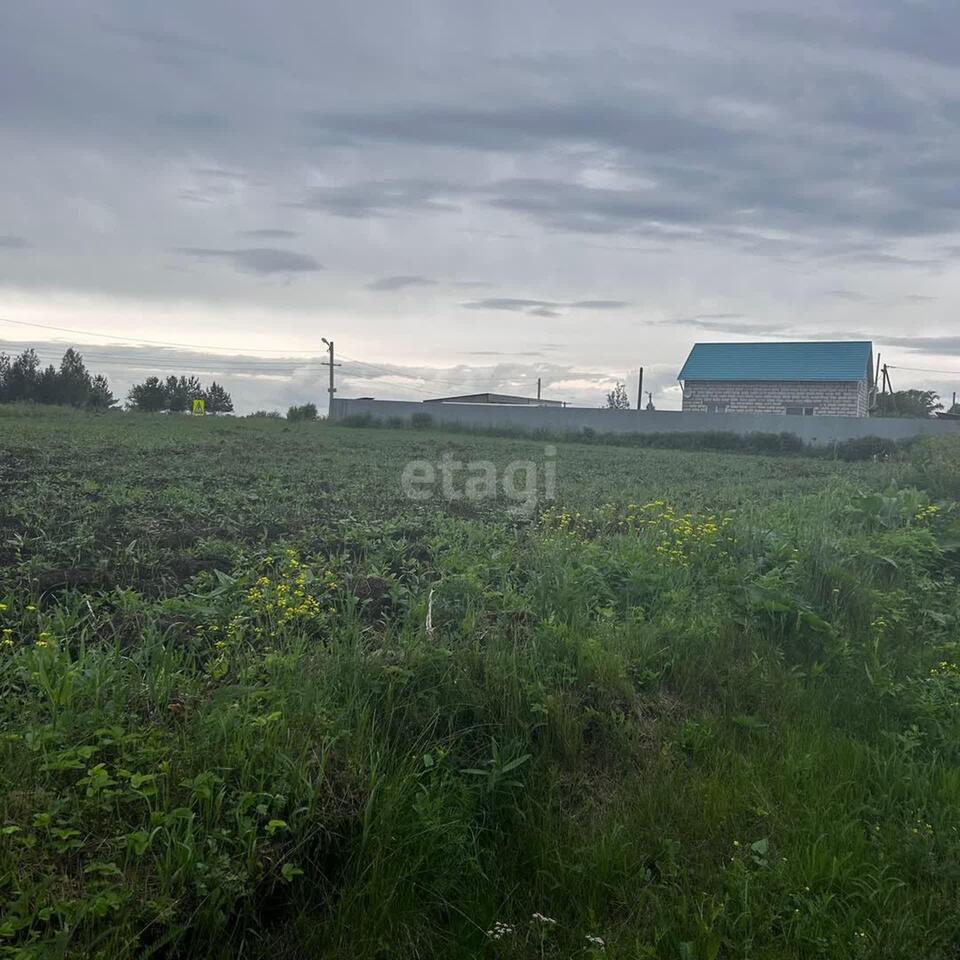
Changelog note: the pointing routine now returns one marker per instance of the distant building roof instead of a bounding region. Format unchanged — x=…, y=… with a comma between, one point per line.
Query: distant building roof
x=497, y=398
x=806, y=360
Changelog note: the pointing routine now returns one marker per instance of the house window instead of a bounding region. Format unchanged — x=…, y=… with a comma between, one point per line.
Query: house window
x=799, y=411
x=714, y=406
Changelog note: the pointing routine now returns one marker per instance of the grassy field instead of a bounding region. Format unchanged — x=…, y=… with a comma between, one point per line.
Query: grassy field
x=256, y=702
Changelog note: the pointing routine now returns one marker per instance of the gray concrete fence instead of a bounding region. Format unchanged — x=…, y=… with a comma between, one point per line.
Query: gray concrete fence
x=818, y=431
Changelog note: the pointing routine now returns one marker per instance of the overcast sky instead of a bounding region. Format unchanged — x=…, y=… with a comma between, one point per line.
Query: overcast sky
x=467, y=196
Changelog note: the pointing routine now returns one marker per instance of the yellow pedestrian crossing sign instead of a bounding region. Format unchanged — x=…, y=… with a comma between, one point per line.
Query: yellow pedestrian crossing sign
x=199, y=408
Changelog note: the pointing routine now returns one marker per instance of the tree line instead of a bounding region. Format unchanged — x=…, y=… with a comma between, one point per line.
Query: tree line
x=23, y=378
x=176, y=394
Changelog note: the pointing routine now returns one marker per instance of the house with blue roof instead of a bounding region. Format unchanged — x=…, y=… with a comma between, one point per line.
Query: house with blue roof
x=809, y=378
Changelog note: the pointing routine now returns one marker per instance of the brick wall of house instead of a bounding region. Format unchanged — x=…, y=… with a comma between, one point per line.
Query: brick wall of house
x=828, y=398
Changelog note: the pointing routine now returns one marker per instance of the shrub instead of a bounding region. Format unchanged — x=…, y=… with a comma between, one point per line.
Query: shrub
x=421, y=421
x=308, y=411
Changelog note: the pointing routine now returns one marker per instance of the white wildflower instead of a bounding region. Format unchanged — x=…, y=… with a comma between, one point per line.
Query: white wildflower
x=540, y=918
x=499, y=930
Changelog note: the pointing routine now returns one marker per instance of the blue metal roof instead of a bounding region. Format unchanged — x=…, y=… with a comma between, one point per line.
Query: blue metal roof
x=807, y=360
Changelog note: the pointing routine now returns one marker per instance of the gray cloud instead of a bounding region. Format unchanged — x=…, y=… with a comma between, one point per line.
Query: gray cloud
x=807, y=152
x=599, y=304
x=400, y=282
x=505, y=353
x=942, y=346
x=851, y=296
x=268, y=233
x=541, y=308
x=883, y=258
x=744, y=329
x=261, y=260
x=703, y=318
x=194, y=122
x=652, y=122
x=218, y=173
x=379, y=198
x=926, y=31
x=935, y=345
x=569, y=206
x=730, y=323
x=515, y=304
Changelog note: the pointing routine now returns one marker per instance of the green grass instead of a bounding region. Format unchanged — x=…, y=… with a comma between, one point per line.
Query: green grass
x=255, y=702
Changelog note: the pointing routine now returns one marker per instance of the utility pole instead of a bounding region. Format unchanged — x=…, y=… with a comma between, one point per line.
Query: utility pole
x=331, y=390
x=538, y=388
x=640, y=391
x=888, y=386
x=876, y=386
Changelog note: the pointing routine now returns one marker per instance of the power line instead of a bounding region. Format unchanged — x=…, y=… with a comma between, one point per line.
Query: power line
x=215, y=360
x=148, y=366
x=165, y=360
x=130, y=341
x=229, y=361
x=952, y=373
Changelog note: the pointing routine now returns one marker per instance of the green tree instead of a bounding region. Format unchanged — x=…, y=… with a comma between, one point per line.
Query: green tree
x=175, y=398
x=24, y=376
x=4, y=377
x=181, y=392
x=617, y=398
x=148, y=397
x=908, y=403
x=99, y=396
x=217, y=399
x=48, y=386
x=73, y=380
